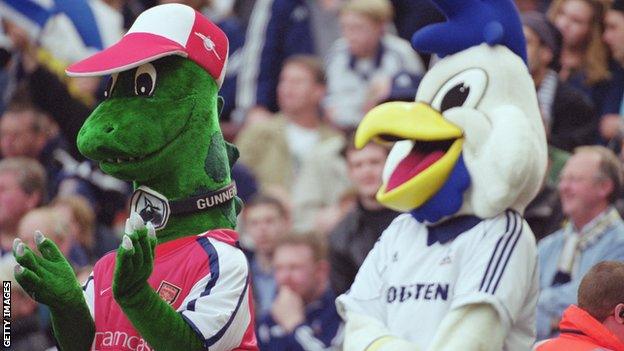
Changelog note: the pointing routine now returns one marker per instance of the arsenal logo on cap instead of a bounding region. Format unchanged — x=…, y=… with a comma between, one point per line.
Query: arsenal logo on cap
x=153, y=35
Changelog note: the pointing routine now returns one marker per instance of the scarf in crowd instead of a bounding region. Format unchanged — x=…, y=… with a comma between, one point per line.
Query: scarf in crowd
x=576, y=241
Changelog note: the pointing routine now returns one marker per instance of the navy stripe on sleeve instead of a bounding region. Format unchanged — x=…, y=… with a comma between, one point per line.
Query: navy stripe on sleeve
x=517, y=237
x=508, y=239
x=86, y=284
x=213, y=339
x=487, y=270
x=213, y=258
x=502, y=253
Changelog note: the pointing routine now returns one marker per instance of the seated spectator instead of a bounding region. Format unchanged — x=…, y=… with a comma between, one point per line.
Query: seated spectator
x=319, y=189
x=265, y=220
x=90, y=237
x=584, y=56
x=567, y=113
x=54, y=225
x=544, y=214
x=22, y=188
x=274, y=149
x=590, y=183
x=303, y=315
x=25, y=131
x=612, y=124
x=27, y=330
x=597, y=322
x=279, y=29
x=354, y=236
x=363, y=53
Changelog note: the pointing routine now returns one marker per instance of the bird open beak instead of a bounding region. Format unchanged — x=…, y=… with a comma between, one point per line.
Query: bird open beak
x=437, y=145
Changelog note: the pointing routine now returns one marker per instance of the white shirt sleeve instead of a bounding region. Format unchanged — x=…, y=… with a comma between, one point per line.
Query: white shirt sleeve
x=217, y=307
x=89, y=295
x=499, y=268
x=365, y=295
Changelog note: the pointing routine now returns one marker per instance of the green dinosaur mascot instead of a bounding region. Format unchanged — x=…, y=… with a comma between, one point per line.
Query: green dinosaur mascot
x=178, y=281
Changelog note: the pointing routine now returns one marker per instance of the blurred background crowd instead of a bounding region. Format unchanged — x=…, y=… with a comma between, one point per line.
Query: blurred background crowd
x=300, y=77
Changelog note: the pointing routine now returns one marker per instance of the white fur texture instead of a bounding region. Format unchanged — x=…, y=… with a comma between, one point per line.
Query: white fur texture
x=505, y=144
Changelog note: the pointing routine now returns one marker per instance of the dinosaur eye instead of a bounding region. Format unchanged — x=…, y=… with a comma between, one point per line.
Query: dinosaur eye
x=464, y=89
x=110, y=84
x=145, y=80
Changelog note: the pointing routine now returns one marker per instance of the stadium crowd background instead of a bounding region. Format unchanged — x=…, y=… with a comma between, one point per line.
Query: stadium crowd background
x=301, y=75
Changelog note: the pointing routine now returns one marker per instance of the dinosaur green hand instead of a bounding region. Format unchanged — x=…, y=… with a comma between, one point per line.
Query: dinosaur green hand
x=48, y=278
x=135, y=258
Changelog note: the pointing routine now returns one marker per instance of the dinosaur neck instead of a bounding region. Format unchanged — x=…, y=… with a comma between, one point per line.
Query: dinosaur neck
x=191, y=176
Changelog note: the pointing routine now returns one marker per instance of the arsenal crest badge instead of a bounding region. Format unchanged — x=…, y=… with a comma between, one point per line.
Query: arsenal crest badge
x=168, y=292
x=151, y=206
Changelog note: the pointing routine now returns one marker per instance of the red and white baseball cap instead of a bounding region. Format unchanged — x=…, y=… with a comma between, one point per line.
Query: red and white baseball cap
x=170, y=29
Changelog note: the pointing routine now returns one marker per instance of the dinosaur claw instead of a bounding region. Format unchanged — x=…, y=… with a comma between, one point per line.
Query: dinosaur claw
x=18, y=269
x=128, y=227
x=126, y=243
x=20, y=250
x=16, y=243
x=151, y=231
x=39, y=237
x=136, y=221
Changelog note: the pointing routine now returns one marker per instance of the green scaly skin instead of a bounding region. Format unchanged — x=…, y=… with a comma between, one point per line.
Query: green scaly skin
x=179, y=151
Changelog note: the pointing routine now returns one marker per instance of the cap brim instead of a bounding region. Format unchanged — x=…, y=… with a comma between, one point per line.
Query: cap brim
x=131, y=51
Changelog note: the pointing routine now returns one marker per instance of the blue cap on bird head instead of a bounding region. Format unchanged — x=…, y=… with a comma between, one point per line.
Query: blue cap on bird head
x=471, y=23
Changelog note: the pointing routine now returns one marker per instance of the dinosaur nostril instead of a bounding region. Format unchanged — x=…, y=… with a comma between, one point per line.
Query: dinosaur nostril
x=108, y=130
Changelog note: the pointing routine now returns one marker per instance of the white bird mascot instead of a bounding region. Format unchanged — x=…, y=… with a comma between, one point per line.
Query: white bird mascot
x=457, y=270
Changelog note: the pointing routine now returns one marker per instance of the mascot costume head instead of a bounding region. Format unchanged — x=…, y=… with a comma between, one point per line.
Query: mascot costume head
x=159, y=124
x=178, y=281
x=473, y=141
x=469, y=155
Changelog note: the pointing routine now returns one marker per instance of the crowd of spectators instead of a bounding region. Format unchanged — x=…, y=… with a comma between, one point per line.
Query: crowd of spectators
x=300, y=77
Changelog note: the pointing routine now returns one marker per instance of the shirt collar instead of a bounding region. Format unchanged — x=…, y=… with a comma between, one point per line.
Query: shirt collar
x=376, y=61
x=225, y=235
x=450, y=229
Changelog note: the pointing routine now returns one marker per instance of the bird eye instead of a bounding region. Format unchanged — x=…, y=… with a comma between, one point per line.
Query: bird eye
x=464, y=89
x=455, y=97
x=110, y=84
x=145, y=80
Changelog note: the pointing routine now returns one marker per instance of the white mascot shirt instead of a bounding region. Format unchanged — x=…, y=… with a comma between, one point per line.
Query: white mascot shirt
x=494, y=262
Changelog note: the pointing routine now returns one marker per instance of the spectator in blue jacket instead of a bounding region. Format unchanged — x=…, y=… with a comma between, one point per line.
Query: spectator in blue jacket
x=277, y=30
x=590, y=183
x=303, y=315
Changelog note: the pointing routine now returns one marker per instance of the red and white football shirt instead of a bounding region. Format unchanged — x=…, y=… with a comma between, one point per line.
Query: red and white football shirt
x=205, y=278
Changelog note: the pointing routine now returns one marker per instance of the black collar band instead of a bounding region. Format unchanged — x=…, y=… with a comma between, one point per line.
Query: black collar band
x=204, y=202
x=156, y=208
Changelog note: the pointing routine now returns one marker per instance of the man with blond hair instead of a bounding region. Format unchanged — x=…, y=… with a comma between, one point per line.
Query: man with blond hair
x=363, y=55
x=589, y=185
x=597, y=322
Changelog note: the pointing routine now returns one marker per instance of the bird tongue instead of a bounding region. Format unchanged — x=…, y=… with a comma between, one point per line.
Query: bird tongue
x=411, y=165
